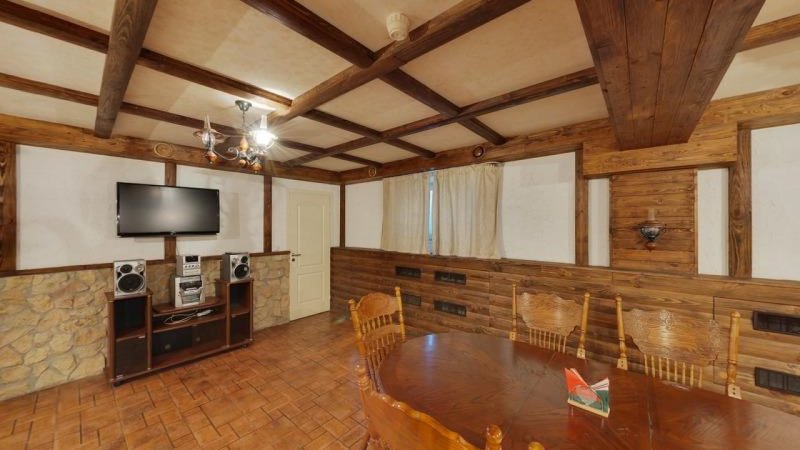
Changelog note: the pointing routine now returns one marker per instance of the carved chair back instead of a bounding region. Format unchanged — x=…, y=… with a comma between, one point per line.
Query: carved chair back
x=395, y=425
x=379, y=327
x=549, y=320
x=677, y=348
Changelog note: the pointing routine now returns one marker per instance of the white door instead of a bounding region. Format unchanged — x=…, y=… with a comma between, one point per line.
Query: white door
x=309, y=241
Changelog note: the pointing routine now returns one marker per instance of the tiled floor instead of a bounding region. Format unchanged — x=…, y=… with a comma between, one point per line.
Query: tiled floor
x=293, y=388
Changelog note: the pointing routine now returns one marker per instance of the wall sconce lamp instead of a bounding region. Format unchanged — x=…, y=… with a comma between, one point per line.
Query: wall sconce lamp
x=651, y=229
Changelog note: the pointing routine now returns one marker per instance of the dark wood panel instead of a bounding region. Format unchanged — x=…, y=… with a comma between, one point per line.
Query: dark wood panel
x=128, y=28
x=581, y=212
x=659, y=63
x=8, y=211
x=267, y=213
x=740, y=211
x=170, y=242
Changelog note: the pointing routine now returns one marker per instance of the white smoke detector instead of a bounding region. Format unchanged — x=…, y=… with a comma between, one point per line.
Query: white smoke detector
x=397, y=25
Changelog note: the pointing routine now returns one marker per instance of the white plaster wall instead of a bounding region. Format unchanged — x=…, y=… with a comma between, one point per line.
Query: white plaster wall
x=776, y=208
x=538, y=209
x=712, y=221
x=241, y=204
x=599, y=222
x=67, y=208
x=280, y=187
x=364, y=214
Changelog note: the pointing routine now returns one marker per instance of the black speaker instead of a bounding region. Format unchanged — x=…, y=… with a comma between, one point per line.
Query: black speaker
x=130, y=278
x=235, y=266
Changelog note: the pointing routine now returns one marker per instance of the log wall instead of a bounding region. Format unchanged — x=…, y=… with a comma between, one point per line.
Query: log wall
x=487, y=297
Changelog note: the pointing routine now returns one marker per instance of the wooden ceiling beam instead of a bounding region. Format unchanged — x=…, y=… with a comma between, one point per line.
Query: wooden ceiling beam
x=49, y=90
x=659, y=63
x=64, y=137
x=303, y=21
x=128, y=29
x=300, y=19
x=318, y=150
x=772, y=32
x=456, y=21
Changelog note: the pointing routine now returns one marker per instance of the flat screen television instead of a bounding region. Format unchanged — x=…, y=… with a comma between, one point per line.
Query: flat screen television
x=150, y=210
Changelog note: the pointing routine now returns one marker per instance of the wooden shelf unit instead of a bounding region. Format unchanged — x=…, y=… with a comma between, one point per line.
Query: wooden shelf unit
x=140, y=342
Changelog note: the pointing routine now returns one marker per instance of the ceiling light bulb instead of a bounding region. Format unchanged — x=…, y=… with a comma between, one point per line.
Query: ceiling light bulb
x=261, y=135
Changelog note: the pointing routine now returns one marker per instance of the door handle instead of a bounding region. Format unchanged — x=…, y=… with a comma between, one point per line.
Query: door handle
x=297, y=254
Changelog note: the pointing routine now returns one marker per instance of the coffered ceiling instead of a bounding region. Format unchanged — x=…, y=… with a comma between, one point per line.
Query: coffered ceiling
x=500, y=52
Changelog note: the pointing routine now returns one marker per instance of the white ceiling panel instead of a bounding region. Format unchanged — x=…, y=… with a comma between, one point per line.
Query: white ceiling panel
x=762, y=68
x=336, y=165
x=382, y=153
x=135, y=126
x=370, y=26
x=536, y=42
x=777, y=9
x=447, y=137
x=312, y=132
x=30, y=106
x=37, y=57
x=167, y=93
x=378, y=106
x=95, y=14
x=229, y=37
x=282, y=153
x=564, y=109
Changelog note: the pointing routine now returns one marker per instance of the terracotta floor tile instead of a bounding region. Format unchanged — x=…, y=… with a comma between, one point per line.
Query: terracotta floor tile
x=292, y=388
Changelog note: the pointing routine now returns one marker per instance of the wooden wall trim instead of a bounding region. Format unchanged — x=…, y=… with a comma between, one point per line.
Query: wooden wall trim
x=740, y=221
x=170, y=242
x=99, y=266
x=581, y=213
x=342, y=214
x=267, y=213
x=8, y=212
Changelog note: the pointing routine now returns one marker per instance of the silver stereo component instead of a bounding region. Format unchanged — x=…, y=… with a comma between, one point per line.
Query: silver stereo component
x=235, y=266
x=187, y=291
x=187, y=265
x=130, y=278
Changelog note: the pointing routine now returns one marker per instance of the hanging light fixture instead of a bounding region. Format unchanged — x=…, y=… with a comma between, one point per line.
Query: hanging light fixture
x=253, y=144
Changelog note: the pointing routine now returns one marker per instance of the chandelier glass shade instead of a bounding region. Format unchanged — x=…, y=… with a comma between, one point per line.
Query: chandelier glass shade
x=253, y=143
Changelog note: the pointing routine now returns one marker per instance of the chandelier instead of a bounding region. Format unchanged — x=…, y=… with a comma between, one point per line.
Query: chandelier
x=254, y=142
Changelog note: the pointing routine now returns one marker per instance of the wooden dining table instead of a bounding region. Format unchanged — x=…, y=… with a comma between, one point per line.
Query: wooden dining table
x=468, y=381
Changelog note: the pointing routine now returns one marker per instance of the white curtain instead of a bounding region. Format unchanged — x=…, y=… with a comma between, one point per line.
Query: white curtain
x=468, y=202
x=404, y=213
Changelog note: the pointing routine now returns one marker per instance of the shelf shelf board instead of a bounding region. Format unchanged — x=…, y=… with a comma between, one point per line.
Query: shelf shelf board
x=167, y=309
x=238, y=310
x=131, y=334
x=185, y=355
x=196, y=321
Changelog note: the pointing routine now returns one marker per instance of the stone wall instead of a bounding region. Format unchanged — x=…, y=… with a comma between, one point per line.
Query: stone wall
x=53, y=326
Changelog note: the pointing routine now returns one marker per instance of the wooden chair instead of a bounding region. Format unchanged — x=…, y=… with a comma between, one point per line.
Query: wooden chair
x=549, y=319
x=395, y=425
x=377, y=330
x=677, y=348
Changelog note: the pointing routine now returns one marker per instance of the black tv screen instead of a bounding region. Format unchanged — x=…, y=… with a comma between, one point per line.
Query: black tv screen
x=149, y=210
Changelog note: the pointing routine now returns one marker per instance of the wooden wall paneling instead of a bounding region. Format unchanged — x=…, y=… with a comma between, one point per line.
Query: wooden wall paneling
x=8, y=212
x=356, y=272
x=128, y=28
x=673, y=196
x=709, y=146
x=581, y=212
x=740, y=211
x=267, y=213
x=170, y=242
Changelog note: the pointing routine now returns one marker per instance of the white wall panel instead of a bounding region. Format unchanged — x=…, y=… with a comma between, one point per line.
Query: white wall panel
x=67, y=208
x=364, y=214
x=241, y=203
x=599, y=222
x=776, y=208
x=280, y=187
x=538, y=209
x=712, y=221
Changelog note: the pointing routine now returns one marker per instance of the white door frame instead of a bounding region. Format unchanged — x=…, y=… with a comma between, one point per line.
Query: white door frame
x=291, y=233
